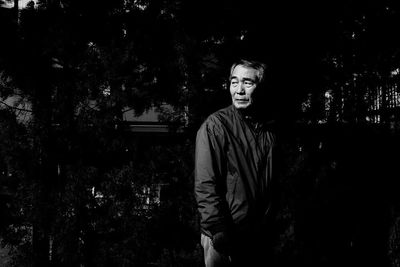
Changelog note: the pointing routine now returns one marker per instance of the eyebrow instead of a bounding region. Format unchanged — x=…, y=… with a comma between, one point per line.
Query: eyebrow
x=249, y=79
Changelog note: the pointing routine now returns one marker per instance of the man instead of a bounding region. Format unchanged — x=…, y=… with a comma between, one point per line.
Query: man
x=233, y=174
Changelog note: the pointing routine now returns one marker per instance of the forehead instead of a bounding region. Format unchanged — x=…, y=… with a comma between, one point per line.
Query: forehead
x=241, y=71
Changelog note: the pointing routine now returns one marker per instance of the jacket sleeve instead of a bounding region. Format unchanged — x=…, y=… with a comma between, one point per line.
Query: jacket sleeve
x=209, y=170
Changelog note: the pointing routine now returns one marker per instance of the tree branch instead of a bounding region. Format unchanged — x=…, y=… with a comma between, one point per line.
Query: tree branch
x=16, y=108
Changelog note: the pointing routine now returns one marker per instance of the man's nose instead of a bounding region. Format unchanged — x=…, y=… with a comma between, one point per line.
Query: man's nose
x=240, y=89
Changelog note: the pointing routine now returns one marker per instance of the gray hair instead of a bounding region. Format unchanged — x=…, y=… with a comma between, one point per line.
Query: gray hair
x=258, y=66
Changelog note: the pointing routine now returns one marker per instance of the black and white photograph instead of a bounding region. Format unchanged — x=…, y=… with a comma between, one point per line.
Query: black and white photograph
x=183, y=133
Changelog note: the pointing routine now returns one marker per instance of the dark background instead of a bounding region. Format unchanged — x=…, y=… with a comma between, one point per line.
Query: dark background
x=80, y=187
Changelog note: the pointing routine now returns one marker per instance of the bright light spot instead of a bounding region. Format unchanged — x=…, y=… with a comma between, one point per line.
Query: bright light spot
x=21, y=3
x=139, y=5
x=107, y=91
x=395, y=72
x=328, y=94
x=243, y=35
x=306, y=105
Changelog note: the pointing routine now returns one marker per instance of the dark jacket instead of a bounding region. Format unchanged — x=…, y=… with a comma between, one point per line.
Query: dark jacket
x=233, y=171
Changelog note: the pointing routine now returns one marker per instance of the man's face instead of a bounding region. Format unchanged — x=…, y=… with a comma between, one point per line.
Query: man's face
x=242, y=85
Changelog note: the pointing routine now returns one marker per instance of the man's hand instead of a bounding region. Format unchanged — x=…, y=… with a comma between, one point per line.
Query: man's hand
x=221, y=242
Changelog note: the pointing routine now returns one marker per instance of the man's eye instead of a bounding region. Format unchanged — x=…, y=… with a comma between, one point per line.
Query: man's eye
x=234, y=83
x=248, y=83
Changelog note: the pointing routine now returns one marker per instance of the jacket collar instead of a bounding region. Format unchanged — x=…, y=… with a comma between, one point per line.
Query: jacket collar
x=253, y=116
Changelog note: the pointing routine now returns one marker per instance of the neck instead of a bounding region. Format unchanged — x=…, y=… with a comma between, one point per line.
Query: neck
x=248, y=112
x=256, y=114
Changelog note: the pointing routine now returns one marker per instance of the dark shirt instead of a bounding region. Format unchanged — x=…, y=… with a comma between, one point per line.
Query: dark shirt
x=233, y=171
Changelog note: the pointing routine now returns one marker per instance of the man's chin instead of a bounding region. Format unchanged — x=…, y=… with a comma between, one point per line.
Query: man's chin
x=241, y=105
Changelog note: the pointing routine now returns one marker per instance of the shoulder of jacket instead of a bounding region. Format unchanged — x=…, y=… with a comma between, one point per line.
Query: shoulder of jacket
x=218, y=118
